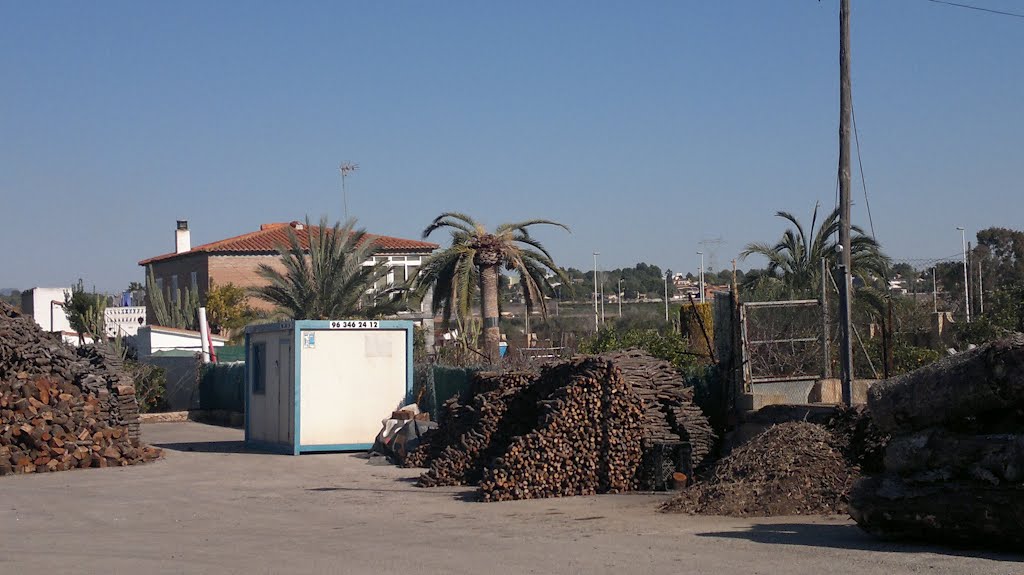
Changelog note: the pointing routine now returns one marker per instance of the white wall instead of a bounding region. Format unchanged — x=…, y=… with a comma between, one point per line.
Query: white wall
x=151, y=339
x=37, y=303
x=124, y=320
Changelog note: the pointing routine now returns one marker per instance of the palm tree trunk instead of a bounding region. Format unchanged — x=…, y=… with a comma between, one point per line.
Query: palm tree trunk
x=489, y=307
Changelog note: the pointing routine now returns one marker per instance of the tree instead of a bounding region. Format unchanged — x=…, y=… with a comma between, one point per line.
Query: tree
x=473, y=261
x=329, y=280
x=85, y=312
x=796, y=258
x=226, y=308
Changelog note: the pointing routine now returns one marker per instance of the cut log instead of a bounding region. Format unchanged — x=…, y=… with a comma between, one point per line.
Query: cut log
x=992, y=458
x=987, y=378
x=957, y=512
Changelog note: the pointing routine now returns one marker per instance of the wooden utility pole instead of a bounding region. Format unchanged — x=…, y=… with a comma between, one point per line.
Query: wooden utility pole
x=845, y=287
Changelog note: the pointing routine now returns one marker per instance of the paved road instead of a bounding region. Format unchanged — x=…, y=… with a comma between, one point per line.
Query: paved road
x=211, y=508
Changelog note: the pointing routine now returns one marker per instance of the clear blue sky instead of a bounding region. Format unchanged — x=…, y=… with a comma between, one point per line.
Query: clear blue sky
x=645, y=127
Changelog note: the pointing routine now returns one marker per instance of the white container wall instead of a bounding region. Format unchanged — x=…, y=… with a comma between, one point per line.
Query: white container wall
x=324, y=385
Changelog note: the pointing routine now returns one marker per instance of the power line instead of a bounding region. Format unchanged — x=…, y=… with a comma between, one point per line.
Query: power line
x=978, y=8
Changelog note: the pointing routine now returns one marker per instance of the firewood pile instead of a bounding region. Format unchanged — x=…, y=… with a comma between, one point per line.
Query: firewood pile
x=790, y=469
x=473, y=433
x=677, y=438
x=586, y=439
x=589, y=425
x=62, y=408
x=954, y=467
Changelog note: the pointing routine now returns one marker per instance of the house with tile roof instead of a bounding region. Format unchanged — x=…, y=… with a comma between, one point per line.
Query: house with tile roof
x=236, y=259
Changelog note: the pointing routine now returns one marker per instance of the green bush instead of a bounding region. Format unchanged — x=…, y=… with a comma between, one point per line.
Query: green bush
x=150, y=385
x=669, y=347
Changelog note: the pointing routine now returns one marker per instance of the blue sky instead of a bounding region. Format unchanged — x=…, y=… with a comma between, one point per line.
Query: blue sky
x=645, y=127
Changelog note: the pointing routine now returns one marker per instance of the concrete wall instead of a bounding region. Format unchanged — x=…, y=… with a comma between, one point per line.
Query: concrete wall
x=182, y=381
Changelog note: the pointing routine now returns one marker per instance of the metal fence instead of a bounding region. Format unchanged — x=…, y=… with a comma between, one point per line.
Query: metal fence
x=784, y=341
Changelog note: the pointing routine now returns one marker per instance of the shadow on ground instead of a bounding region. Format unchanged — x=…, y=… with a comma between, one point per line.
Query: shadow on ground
x=846, y=536
x=207, y=447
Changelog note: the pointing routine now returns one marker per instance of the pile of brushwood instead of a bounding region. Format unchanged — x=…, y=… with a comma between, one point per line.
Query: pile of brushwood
x=954, y=468
x=795, y=468
x=580, y=427
x=61, y=407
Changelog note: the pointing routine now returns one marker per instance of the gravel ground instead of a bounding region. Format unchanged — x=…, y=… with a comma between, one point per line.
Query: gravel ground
x=210, y=507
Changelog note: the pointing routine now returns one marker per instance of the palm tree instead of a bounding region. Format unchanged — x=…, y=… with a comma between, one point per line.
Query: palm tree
x=329, y=279
x=474, y=259
x=796, y=258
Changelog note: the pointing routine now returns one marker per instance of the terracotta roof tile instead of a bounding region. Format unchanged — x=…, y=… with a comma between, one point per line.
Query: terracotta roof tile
x=270, y=236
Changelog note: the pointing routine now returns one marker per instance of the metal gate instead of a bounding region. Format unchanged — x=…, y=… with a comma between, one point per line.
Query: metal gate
x=784, y=341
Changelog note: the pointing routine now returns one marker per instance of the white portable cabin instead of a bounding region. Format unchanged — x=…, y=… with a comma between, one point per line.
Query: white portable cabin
x=326, y=385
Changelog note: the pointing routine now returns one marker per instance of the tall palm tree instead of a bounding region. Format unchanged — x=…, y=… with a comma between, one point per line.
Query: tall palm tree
x=796, y=258
x=329, y=279
x=474, y=260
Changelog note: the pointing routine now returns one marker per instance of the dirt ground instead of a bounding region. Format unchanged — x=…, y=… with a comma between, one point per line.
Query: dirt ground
x=211, y=507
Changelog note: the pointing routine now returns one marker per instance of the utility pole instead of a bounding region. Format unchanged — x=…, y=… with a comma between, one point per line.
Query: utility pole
x=619, y=296
x=666, y=297
x=846, y=285
x=935, y=292
x=596, y=325
x=700, y=277
x=346, y=168
x=967, y=289
x=981, y=291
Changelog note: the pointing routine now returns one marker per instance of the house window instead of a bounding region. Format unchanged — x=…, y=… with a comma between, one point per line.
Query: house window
x=195, y=281
x=259, y=369
x=400, y=275
x=160, y=285
x=174, y=288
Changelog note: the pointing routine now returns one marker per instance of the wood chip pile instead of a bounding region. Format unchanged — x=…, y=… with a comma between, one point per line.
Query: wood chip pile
x=583, y=426
x=790, y=469
x=954, y=467
x=62, y=408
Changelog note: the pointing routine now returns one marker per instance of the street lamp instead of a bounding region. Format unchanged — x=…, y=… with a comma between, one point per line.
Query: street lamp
x=666, y=297
x=967, y=291
x=700, y=276
x=596, y=325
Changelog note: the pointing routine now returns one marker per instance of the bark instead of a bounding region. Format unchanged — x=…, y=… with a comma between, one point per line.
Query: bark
x=991, y=458
x=957, y=512
x=988, y=378
x=489, y=307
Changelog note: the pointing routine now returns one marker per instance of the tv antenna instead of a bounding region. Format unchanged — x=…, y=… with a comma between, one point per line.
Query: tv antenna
x=346, y=168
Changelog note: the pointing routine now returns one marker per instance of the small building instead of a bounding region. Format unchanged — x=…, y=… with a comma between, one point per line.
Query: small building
x=318, y=385
x=154, y=339
x=46, y=306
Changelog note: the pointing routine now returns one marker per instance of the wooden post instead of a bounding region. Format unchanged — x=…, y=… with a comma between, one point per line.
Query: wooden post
x=846, y=286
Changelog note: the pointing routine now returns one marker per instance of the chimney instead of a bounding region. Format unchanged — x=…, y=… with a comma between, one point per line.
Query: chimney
x=182, y=239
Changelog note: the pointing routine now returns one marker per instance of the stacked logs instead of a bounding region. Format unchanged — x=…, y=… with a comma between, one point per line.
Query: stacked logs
x=62, y=408
x=477, y=429
x=586, y=439
x=954, y=467
x=568, y=431
x=677, y=437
